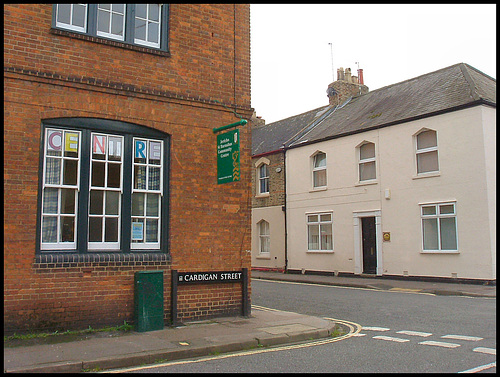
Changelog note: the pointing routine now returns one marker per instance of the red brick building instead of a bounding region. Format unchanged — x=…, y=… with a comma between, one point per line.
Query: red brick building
x=110, y=163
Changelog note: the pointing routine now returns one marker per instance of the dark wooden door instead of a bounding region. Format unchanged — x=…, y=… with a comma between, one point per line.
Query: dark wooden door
x=369, y=245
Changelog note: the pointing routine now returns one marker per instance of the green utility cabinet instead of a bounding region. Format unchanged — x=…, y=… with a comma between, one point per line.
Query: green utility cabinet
x=148, y=300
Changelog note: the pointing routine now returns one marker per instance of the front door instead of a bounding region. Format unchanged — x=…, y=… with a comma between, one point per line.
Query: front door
x=369, y=245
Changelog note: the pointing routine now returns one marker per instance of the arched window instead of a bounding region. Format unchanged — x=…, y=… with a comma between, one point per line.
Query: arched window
x=319, y=170
x=367, y=169
x=426, y=151
x=264, y=237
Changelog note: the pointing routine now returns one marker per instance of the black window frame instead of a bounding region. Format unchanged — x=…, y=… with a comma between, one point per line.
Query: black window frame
x=129, y=31
x=112, y=127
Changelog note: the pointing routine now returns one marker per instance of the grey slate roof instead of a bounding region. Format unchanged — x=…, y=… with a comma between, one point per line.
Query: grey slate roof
x=447, y=89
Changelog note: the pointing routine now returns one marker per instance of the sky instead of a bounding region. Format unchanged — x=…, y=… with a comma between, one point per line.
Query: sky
x=294, y=46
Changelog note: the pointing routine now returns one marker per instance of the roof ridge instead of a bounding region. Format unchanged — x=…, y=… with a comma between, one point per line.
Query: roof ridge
x=470, y=82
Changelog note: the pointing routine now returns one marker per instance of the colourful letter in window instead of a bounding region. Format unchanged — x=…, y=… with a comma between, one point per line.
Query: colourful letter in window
x=140, y=149
x=71, y=142
x=99, y=144
x=54, y=140
x=154, y=150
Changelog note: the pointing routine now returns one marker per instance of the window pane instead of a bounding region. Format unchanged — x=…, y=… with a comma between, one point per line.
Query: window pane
x=153, y=29
x=118, y=8
x=112, y=202
x=96, y=202
x=140, y=177
x=264, y=228
x=49, y=229
x=68, y=201
x=319, y=178
x=114, y=175
x=151, y=230
x=154, y=178
x=430, y=234
x=312, y=218
x=429, y=210
x=427, y=162
x=367, y=171
x=53, y=171
x=140, y=29
x=117, y=24
x=95, y=229
x=264, y=171
x=326, y=237
x=320, y=160
x=111, y=230
x=367, y=151
x=447, y=209
x=68, y=229
x=137, y=230
x=140, y=10
x=448, y=233
x=103, y=20
x=50, y=200
x=313, y=237
x=138, y=204
x=79, y=14
x=265, y=244
x=98, y=169
x=70, y=172
x=325, y=217
x=426, y=139
x=154, y=12
x=153, y=202
x=115, y=148
x=64, y=13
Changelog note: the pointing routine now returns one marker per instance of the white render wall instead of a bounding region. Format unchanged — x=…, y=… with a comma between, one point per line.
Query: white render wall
x=275, y=216
x=466, y=147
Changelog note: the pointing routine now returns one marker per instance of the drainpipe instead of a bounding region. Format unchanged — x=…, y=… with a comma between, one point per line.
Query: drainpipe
x=284, y=207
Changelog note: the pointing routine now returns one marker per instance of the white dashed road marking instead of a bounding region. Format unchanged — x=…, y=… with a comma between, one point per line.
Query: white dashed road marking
x=390, y=338
x=462, y=337
x=489, y=351
x=480, y=368
x=375, y=328
x=440, y=344
x=414, y=333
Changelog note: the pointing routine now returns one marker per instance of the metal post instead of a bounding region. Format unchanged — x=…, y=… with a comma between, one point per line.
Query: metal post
x=245, y=307
x=173, y=311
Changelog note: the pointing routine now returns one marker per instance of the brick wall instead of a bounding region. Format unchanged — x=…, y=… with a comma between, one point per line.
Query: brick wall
x=276, y=181
x=51, y=75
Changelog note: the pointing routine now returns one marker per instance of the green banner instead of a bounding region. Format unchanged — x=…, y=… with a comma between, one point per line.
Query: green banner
x=228, y=157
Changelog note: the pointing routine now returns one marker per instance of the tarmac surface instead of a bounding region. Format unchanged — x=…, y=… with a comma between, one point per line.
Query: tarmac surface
x=263, y=328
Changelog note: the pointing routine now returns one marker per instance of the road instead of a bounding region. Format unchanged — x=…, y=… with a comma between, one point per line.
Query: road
x=401, y=332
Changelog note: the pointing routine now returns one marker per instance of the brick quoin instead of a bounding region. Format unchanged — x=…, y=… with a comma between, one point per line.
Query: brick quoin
x=186, y=92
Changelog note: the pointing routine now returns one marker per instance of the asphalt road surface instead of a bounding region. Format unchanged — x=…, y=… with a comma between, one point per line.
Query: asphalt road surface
x=402, y=332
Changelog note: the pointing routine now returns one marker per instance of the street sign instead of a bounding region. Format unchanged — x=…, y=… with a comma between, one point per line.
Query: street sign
x=228, y=157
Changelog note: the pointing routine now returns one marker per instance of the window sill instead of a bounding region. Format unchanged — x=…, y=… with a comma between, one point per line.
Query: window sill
x=367, y=183
x=439, y=252
x=58, y=257
x=109, y=42
x=427, y=175
x=320, y=251
x=316, y=189
x=265, y=195
x=263, y=257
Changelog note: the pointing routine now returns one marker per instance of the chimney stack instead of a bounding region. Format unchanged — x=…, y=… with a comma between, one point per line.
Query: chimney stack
x=346, y=86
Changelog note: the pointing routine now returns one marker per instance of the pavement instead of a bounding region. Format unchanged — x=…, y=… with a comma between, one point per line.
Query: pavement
x=264, y=327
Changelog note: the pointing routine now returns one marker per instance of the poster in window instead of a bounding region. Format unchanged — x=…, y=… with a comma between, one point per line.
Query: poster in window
x=137, y=231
